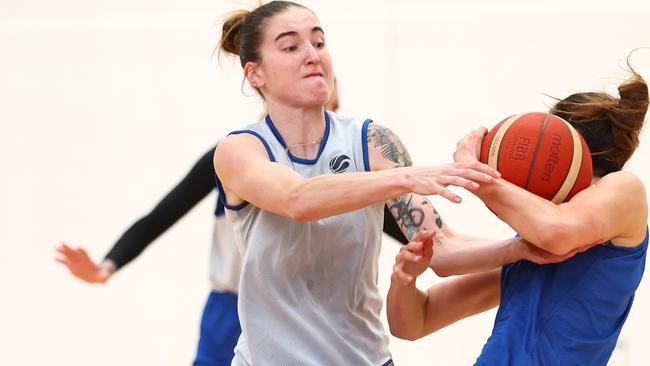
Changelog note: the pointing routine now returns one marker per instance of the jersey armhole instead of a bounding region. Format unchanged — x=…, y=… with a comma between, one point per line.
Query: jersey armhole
x=222, y=193
x=364, y=144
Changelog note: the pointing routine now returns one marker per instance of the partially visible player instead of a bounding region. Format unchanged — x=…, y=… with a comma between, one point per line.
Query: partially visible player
x=568, y=313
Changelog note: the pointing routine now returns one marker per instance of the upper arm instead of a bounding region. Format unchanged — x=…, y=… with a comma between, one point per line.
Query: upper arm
x=385, y=150
x=461, y=297
x=614, y=208
x=412, y=212
x=248, y=175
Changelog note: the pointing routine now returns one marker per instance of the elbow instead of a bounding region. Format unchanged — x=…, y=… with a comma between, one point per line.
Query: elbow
x=402, y=333
x=298, y=207
x=440, y=268
x=556, y=239
x=441, y=263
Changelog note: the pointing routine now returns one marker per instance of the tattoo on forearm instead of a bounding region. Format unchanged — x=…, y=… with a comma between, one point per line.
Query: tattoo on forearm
x=390, y=145
x=409, y=218
x=426, y=202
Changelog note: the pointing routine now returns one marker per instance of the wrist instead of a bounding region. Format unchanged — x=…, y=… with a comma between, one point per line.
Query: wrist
x=107, y=268
x=401, y=283
x=516, y=250
x=405, y=180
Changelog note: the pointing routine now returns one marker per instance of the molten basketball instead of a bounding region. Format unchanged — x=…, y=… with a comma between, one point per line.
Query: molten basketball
x=541, y=153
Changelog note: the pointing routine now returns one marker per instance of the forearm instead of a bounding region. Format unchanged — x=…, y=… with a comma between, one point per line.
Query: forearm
x=330, y=195
x=414, y=213
x=459, y=254
x=197, y=184
x=537, y=220
x=406, y=308
x=461, y=297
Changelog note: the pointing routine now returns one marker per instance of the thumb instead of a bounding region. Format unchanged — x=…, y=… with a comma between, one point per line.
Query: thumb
x=423, y=235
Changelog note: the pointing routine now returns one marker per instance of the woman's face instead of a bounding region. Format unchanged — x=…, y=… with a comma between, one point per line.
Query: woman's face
x=295, y=67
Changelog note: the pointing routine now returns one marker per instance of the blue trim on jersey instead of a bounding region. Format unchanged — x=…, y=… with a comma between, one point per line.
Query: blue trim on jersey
x=364, y=144
x=296, y=159
x=222, y=197
x=219, y=210
x=266, y=145
x=222, y=193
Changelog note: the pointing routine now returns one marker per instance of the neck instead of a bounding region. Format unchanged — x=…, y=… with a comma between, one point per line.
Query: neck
x=298, y=125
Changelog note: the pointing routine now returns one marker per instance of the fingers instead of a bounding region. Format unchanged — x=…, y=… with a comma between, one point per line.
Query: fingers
x=423, y=235
x=402, y=276
x=460, y=182
x=481, y=168
x=65, y=250
x=407, y=255
x=63, y=261
x=445, y=193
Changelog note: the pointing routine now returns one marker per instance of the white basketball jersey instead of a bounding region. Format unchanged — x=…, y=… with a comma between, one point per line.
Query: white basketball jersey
x=308, y=290
x=225, y=258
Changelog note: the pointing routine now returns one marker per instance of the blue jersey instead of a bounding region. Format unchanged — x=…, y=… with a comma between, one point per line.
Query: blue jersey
x=568, y=313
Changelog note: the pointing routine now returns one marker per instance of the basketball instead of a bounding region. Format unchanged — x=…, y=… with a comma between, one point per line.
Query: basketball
x=541, y=153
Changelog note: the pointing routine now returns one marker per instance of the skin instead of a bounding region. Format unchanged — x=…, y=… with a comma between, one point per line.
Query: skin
x=84, y=268
x=613, y=208
x=293, y=50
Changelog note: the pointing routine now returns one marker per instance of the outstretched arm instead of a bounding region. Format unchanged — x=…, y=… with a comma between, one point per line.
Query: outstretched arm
x=413, y=314
x=192, y=189
x=455, y=253
x=288, y=194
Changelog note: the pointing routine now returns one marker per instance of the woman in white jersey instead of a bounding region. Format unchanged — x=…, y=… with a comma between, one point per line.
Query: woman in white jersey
x=305, y=189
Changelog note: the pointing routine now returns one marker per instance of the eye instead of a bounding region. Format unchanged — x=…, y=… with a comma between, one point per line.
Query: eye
x=290, y=48
x=319, y=45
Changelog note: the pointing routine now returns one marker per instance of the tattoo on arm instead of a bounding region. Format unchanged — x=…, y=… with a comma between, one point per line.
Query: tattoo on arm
x=409, y=218
x=390, y=145
x=435, y=212
x=438, y=221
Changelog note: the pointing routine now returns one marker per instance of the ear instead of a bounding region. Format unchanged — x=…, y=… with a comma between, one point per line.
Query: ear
x=254, y=75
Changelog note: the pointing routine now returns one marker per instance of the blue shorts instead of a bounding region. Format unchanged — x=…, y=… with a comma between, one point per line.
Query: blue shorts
x=220, y=330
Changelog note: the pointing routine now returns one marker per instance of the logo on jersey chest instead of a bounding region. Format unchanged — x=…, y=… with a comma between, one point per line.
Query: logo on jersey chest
x=340, y=163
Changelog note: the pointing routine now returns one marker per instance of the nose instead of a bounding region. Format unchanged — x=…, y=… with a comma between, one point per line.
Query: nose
x=311, y=55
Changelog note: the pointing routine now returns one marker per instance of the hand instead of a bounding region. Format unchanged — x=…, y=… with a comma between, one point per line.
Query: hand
x=413, y=258
x=468, y=149
x=81, y=266
x=426, y=181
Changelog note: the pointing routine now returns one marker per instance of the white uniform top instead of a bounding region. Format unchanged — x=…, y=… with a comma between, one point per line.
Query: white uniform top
x=225, y=258
x=308, y=291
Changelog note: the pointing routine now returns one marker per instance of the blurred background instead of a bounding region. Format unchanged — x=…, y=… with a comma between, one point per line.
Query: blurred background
x=105, y=105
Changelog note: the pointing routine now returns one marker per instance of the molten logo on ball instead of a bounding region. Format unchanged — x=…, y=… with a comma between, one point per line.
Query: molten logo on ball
x=541, y=153
x=553, y=158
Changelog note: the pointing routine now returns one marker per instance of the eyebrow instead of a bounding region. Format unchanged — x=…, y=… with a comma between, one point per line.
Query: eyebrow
x=294, y=33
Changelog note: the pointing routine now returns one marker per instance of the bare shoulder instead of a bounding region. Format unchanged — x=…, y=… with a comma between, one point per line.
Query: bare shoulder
x=238, y=147
x=385, y=149
x=624, y=186
x=629, y=189
x=624, y=180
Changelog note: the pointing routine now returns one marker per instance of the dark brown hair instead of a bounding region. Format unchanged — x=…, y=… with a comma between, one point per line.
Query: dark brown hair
x=609, y=125
x=242, y=30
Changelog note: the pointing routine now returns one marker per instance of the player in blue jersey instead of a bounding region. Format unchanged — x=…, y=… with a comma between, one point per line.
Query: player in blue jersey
x=567, y=313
